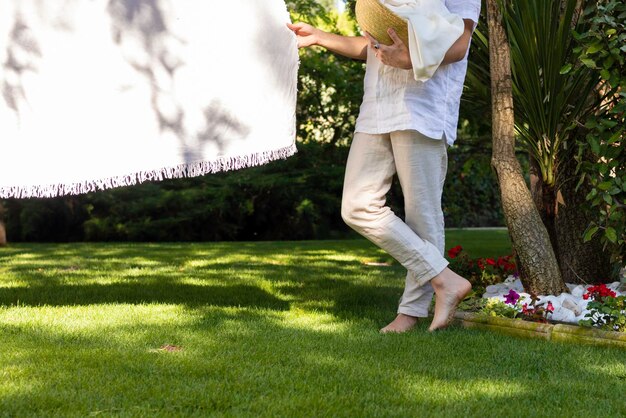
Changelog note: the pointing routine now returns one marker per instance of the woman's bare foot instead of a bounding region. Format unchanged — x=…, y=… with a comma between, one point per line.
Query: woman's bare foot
x=402, y=323
x=450, y=289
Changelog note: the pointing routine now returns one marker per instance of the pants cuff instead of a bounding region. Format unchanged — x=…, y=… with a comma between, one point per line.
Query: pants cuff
x=435, y=270
x=412, y=312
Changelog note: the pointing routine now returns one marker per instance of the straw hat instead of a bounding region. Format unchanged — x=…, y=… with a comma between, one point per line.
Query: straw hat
x=375, y=18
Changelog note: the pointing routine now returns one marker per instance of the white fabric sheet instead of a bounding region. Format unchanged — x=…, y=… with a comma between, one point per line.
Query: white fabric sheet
x=105, y=93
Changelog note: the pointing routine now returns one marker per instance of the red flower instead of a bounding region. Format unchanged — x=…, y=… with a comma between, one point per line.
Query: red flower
x=599, y=292
x=480, y=263
x=454, y=252
x=550, y=307
x=491, y=261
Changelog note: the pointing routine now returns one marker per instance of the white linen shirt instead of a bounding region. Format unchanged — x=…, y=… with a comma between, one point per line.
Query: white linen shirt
x=394, y=101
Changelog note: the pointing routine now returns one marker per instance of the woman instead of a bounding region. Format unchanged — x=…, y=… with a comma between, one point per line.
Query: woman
x=404, y=128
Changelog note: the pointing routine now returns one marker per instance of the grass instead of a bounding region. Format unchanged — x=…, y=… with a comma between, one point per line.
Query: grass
x=265, y=329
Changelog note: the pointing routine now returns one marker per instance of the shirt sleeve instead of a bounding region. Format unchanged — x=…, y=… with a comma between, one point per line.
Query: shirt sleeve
x=466, y=9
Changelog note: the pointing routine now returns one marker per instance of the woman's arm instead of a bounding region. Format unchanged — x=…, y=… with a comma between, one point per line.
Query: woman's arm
x=397, y=54
x=458, y=49
x=349, y=46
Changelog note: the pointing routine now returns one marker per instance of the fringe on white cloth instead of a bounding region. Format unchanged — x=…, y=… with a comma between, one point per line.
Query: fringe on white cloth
x=108, y=93
x=432, y=31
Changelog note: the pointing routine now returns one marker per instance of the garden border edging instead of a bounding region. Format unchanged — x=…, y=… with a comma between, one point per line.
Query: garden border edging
x=551, y=332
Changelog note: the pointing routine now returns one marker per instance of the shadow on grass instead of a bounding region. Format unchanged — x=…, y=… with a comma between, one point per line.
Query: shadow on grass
x=340, y=298
x=136, y=293
x=173, y=253
x=324, y=276
x=345, y=299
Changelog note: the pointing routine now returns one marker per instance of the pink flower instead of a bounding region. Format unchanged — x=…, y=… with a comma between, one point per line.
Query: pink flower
x=550, y=307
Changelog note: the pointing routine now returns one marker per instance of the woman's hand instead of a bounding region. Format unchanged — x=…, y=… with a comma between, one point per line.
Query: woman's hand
x=307, y=35
x=396, y=55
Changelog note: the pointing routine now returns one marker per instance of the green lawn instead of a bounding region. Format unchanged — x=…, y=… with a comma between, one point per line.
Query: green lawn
x=265, y=329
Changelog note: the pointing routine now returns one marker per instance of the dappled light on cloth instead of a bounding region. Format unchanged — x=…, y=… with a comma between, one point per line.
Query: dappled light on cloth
x=110, y=93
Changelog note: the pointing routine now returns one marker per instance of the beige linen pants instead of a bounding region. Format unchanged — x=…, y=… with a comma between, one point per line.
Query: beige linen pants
x=417, y=242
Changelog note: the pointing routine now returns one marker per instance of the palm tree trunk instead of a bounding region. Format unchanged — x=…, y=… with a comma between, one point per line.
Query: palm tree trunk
x=544, y=197
x=579, y=262
x=539, y=269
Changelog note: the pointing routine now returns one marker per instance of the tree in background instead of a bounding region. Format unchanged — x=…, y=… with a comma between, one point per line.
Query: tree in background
x=553, y=94
x=540, y=273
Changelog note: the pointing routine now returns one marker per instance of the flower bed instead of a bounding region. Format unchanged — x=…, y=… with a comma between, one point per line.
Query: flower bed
x=545, y=331
x=499, y=302
x=601, y=306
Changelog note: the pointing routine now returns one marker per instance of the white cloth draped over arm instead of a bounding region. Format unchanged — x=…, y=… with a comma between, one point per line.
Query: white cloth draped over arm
x=432, y=31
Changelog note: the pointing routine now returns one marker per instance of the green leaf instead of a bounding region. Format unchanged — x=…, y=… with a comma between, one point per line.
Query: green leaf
x=608, y=123
x=605, y=185
x=603, y=169
x=615, y=137
x=611, y=234
x=566, y=69
x=615, y=216
x=608, y=63
x=581, y=180
x=592, y=194
x=590, y=233
x=595, y=48
x=595, y=145
x=588, y=62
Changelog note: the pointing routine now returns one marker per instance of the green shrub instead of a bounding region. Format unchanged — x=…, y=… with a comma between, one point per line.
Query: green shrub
x=602, y=155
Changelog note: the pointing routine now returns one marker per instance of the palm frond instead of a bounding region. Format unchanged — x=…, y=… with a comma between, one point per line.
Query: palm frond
x=548, y=100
